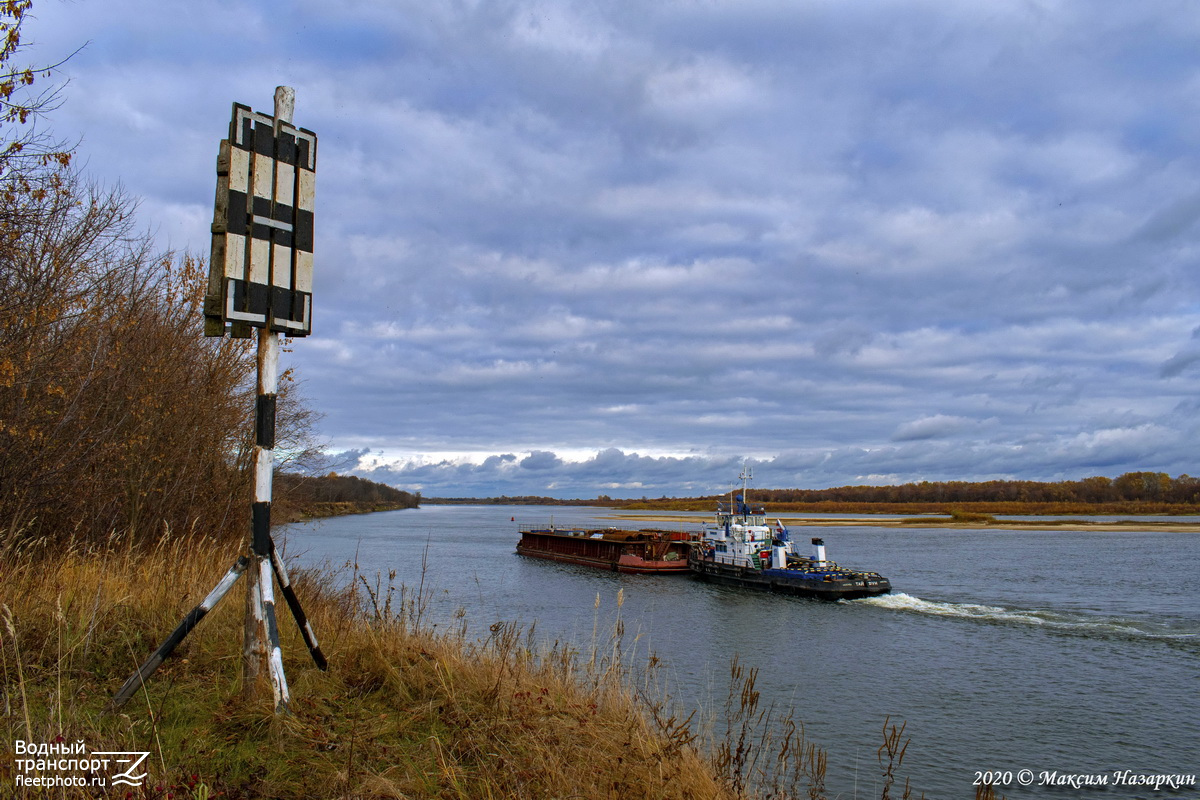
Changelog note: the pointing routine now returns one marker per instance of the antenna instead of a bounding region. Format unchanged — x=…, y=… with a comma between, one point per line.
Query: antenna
x=747, y=474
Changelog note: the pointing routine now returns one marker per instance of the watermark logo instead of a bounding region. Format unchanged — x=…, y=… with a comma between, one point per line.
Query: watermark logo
x=60, y=763
x=134, y=759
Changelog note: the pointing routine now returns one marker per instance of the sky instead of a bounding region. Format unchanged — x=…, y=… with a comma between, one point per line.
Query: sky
x=574, y=248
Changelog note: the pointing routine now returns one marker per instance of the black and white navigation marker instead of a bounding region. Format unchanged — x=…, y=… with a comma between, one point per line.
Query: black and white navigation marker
x=261, y=270
x=260, y=277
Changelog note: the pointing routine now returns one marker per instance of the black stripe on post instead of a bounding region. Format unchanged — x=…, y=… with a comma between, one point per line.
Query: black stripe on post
x=264, y=421
x=261, y=529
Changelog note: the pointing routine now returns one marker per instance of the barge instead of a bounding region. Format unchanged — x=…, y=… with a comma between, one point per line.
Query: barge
x=740, y=549
x=627, y=551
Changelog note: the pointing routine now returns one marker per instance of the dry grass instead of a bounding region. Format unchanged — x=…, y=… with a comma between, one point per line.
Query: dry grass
x=401, y=713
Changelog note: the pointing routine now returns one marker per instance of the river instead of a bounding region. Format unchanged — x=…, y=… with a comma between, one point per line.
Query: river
x=1064, y=653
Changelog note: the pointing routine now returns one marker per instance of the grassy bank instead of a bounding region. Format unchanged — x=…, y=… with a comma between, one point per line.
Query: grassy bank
x=401, y=712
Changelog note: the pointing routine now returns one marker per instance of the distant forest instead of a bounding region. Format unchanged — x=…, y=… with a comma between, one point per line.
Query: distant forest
x=1145, y=492
x=299, y=496
x=1155, y=487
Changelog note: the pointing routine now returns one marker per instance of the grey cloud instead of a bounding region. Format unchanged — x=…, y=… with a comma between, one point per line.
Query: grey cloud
x=1176, y=364
x=765, y=228
x=540, y=460
x=934, y=427
x=1172, y=221
x=630, y=475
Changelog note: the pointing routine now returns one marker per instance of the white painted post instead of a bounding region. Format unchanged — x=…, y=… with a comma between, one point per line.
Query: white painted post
x=261, y=639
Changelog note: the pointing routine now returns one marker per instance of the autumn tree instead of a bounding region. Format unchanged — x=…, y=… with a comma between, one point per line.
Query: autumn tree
x=117, y=416
x=23, y=145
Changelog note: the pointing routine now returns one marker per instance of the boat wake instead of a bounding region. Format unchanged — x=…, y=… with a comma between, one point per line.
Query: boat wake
x=1063, y=621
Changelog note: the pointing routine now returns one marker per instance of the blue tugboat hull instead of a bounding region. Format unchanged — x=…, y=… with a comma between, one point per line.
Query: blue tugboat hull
x=790, y=581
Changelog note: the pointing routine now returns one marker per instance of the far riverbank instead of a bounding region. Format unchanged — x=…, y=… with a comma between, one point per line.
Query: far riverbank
x=340, y=509
x=1065, y=524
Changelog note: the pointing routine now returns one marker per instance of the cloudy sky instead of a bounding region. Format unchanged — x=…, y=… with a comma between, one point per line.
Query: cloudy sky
x=569, y=247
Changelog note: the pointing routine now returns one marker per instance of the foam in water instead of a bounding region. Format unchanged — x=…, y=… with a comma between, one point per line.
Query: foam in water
x=1079, y=623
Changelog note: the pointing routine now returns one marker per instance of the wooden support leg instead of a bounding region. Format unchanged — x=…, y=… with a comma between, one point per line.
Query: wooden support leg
x=289, y=594
x=193, y=618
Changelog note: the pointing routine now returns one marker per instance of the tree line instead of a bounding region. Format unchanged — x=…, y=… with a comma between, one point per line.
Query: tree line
x=1131, y=487
x=1151, y=491
x=117, y=416
x=507, y=500
x=302, y=492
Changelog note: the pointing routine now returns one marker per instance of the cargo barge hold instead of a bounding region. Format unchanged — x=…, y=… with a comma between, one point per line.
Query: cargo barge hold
x=626, y=551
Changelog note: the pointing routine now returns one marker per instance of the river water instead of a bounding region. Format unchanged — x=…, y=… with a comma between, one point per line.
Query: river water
x=1059, y=652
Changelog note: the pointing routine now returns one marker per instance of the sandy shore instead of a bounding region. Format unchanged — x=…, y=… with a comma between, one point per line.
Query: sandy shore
x=1049, y=524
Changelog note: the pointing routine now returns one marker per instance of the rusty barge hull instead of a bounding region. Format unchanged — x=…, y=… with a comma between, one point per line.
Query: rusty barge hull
x=615, y=551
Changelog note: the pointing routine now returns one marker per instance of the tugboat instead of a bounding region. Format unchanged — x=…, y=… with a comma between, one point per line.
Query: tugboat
x=740, y=549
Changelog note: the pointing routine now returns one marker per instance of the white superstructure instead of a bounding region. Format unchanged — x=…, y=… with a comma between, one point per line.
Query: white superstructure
x=739, y=548
x=741, y=536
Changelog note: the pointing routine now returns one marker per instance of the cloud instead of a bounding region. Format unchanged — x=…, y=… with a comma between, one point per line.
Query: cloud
x=540, y=460
x=1176, y=364
x=929, y=240
x=936, y=427
x=621, y=474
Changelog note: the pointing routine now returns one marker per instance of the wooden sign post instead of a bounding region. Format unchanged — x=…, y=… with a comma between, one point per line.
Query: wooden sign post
x=260, y=276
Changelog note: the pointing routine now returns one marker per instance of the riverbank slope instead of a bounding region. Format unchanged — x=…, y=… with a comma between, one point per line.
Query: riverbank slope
x=401, y=712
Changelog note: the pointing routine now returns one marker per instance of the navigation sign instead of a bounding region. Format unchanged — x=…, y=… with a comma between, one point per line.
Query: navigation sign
x=261, y=268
